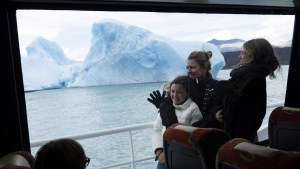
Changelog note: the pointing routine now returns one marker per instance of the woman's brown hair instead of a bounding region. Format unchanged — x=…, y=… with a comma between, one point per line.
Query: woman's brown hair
x=61, y=154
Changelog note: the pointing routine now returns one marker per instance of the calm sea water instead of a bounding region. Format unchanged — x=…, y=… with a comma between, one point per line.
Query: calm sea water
x=63, y=112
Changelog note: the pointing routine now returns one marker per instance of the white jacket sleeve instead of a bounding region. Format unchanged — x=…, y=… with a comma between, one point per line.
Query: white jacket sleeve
x=196, y=115
x=158, y=129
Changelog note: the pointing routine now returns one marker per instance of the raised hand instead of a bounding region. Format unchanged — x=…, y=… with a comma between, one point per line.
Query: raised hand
x=156, y=98
x=167, y=112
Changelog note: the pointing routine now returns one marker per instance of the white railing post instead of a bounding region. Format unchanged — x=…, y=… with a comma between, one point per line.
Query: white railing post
x=132, y=151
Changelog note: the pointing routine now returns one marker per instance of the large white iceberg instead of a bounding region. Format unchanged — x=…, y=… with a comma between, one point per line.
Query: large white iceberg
x=119, y=54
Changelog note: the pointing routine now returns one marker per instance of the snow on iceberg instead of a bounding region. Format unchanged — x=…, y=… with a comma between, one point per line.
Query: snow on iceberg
x=119, y=54
x=44, y=65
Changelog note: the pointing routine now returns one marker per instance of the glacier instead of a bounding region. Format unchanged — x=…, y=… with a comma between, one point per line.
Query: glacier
x=119, y=54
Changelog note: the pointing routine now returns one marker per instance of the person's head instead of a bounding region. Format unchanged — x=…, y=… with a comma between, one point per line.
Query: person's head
x=199, y=65
x=166, y=88
x=260, y=52
x=61, y=154
x=179, y=90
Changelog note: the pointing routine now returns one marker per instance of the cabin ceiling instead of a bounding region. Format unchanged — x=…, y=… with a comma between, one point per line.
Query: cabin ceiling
x=253, y=3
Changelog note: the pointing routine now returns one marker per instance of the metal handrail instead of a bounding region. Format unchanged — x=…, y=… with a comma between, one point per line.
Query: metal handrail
x=275, y=105
x=37, y=143
x=129, y=129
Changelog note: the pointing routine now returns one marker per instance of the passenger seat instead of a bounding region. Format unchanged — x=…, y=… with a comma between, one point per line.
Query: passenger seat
x=240, y=153
x=17, y=160
x=188, y=147
x=284, y=129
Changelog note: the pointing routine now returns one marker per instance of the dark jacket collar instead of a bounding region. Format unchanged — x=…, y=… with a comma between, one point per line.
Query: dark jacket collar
x=249, y=68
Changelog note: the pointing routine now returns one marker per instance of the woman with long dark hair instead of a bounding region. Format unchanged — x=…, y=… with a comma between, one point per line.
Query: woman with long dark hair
x=244, y=95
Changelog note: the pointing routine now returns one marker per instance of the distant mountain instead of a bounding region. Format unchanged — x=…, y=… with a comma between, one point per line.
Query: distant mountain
x=284, y=44
x=231, y=49
x=228, y=45
x=283, y=54
x=222, y=42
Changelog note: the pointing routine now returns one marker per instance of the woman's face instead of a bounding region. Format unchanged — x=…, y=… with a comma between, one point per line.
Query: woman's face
x=245, y=57
x=195, y=71
x=178, y=94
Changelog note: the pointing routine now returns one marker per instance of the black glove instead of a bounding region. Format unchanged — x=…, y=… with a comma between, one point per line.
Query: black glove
x=156, y=98
x=167, y=113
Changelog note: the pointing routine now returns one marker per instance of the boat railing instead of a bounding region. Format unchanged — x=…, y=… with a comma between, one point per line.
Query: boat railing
x=129, y=129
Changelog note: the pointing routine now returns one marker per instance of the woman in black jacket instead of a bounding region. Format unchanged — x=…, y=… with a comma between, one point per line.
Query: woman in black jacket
x=244, y=95
x=202, y=92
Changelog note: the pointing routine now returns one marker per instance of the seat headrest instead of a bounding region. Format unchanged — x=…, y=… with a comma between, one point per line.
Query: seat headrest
x=240, y=153
x=189, y=135
x=286, y=114
x=17, y=160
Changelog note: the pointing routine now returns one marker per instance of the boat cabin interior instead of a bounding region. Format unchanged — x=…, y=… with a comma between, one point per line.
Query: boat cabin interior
x=13, y=116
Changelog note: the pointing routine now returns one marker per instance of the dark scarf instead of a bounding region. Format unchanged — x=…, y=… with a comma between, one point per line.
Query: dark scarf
x=248, y=68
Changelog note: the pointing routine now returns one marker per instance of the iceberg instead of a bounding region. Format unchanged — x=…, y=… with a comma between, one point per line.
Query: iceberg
x=44, y=65
x=119, y=54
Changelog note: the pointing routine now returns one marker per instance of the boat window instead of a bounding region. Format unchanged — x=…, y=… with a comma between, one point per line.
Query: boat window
x=88, y=71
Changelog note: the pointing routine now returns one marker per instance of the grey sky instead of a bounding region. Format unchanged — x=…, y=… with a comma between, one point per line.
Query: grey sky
x=72, y=29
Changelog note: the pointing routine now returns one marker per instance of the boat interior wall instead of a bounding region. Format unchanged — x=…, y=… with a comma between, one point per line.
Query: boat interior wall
x=17, y=160
x=191, y=147
x=293, y=82
x=265, y=3
x=284, y=129
x=191, y=6
x=246, y=155
x=13, y=125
